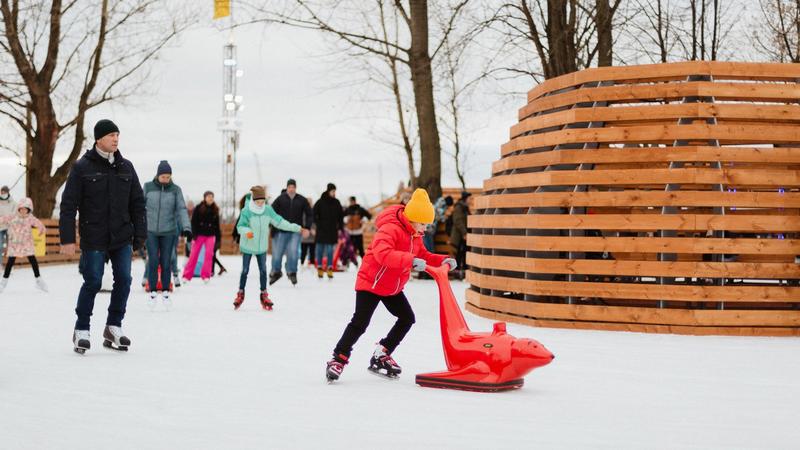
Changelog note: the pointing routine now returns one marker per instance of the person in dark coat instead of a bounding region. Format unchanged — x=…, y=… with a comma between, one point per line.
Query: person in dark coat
x=356, y=218
x=103, y=187
x=458, y=236
x=328, y=216
x=293, y=207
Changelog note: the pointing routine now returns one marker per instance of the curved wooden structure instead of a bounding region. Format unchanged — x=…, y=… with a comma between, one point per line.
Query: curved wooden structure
x=658, y=198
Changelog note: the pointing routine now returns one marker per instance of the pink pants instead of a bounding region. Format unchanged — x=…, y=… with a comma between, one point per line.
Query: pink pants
x=208, y=259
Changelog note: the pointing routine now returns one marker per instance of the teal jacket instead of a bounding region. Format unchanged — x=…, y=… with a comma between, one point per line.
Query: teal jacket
x=258, y=224
x=166, y=209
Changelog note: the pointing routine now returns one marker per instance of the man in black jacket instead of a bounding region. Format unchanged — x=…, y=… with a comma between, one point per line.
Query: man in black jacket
x=328, y=216
x=356, y=217
x=295, y=208
x=104, y=188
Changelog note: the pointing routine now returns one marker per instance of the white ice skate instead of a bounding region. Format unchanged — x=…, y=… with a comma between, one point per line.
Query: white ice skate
x=41, y=285
x=80, y=341
x=3, y=283
x=115, y=339
x=166, y=300
x=152, y=300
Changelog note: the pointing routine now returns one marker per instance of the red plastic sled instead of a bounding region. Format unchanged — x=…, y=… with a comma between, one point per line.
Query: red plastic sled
x=485, y=362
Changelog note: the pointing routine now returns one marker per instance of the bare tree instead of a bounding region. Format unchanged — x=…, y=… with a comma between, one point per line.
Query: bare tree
x=653, y=30
x=779, y=32
x=64, y=60
x=710, y=24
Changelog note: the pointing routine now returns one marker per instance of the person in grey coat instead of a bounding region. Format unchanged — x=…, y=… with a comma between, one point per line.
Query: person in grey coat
x=166, y=216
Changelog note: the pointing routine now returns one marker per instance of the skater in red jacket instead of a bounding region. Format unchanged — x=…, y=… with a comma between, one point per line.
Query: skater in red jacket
x=396, y=249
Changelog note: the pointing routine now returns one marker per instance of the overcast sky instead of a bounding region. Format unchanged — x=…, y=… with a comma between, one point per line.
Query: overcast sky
x=296, y=119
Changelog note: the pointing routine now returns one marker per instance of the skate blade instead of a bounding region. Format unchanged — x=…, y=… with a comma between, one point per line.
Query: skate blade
x=388, y=376
x=110, y=345
x=79, y=350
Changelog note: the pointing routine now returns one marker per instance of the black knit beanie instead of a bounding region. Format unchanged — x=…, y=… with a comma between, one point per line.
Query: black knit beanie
x=164, y=167
x=103, y=128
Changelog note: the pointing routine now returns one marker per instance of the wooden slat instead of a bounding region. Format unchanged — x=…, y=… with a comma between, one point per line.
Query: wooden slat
x=615, y=267
x=637, y=222
x=736, y=294
x=638, y=244
x=693, y=176
x=650, y=155
x=632, y=198
x=659, y=134
x=674, y=71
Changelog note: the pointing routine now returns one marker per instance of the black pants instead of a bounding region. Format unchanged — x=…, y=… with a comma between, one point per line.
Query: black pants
x=358, y=243
x=366, y=303
x=307, y=249
x=13, y=259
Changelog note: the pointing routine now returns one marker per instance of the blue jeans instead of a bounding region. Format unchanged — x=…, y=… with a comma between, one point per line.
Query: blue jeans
x=325, y=250
x=159, y=251
x=91, y=266
x=175, y=256
x=285, y=243
x=261, y=259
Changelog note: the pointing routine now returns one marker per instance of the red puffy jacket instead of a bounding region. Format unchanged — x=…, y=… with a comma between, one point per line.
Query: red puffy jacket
x=387, y=264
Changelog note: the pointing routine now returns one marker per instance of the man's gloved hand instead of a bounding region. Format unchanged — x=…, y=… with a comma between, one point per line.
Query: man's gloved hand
x=418, y=264
x=451, y=262
x=187, y=234
x=138, y=244
x=250, y=235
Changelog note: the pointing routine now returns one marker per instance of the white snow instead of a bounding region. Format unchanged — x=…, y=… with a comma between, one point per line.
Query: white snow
x=204, y=376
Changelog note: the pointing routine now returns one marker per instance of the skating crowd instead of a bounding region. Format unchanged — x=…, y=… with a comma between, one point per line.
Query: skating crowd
x=118, y=218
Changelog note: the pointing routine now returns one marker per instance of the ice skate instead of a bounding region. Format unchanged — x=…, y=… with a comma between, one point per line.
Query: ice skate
x=335, y=367
x=80, y=340
x=382, y=364
x=274, y=276
x=115, y=339
x=320, y=272
x=166, y=300
x=3, y=284
x=330, y=273
x=152, y=300
x=41, y=285
x=266, y=303
x=293, y=278
x=176, y=280
x=239, y=299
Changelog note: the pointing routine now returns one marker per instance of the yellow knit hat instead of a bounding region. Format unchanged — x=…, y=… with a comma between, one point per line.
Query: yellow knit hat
x=419, y=208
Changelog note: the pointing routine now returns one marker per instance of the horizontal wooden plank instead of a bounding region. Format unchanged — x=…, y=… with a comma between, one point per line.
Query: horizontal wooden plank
x=721, y=91
x=776, y=155
x=637, y=315
x=633, y=198
x=677, y=70
x=638, y=244
x=773, y=113
x=787, y=179
x=638, y=222
x=659, y=134
x=613, y=267
x=749, y=294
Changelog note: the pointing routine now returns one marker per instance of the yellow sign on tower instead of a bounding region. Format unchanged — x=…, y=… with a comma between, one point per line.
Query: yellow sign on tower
x=222, y=8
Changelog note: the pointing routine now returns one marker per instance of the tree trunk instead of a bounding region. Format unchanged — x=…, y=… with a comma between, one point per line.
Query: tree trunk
x=605, y=40
x=562, y=54
x=430, y=172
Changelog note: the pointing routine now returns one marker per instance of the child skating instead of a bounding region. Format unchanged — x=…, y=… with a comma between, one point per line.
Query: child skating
x=253, y=228
x=20, y=241
x=396, y=249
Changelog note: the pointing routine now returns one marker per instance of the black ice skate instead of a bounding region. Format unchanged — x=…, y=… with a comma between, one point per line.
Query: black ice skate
x=335, y=368
x=293, y=278
x=382, y=364
x=80, y=340
x=274, y=276
x=115, y=339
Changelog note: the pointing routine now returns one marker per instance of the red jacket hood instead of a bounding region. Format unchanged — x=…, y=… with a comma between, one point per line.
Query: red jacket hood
x=394, y=214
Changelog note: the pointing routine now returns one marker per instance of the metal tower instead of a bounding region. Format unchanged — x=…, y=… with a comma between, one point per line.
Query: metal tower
x=230, y=126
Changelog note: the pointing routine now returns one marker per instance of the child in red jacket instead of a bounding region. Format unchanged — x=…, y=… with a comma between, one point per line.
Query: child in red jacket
x=396, y=249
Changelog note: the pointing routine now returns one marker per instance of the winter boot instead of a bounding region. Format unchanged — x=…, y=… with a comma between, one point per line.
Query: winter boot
x=292, y=277
x=320, y=272
x=383, y=364
x=176, y=280
x=266, y=303
x=222, y=270
x=80, y=340
x=330, y=273
x=3, y=284
x=115, y=339
x=166, y=300
x=41, y=285
x=239, y=299
x=152, y=300
x=274, y=276
x=335, y=367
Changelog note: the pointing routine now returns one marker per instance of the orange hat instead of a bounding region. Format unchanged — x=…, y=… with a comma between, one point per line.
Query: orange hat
x=419, y=208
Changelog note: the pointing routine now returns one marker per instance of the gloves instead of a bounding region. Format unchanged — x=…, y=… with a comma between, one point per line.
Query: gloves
x=187, y=234
x=418, y=264
x=451, y=262
x=250, y=235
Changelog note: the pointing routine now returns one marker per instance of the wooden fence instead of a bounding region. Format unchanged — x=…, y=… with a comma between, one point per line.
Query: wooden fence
x=658, y=198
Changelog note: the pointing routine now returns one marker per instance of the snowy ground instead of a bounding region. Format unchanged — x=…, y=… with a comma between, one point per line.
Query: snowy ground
x=204, y=376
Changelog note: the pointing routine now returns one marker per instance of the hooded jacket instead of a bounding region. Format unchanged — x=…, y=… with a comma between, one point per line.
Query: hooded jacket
x=258, y=223
x=166, y=209
x=387, y=263
x=20, y=237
